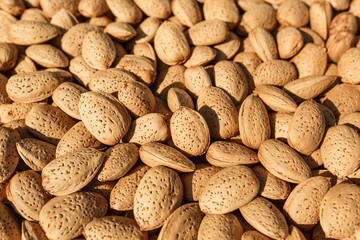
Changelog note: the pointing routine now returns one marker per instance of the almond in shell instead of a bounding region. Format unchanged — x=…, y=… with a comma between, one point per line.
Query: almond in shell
x=9, y=224
x=9, y=158
x=8, y=56
x=32, y=230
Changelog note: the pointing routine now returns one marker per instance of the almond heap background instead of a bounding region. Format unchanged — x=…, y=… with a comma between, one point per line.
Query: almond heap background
x=179, y=119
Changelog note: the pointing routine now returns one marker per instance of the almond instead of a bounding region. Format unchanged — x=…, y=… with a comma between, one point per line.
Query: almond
x=125, y=11
x=200, y=56
x=113, y=227
x=7, y=19
x=188, y=11
x=347, y=68
x=190, y=132
x=309, y=87
x=311, y=60
x=75, y=138
x=32, y=87
x=9, y=157
x=264, y=44
x=196, y=80
x=303, y=204
x=72, y=40
x=109, y=80
x=226, y=11
x=254, y=124
x=194, y=182
x=339, y=221
x=76, y=210
x=224, y=226
x=35, y=153
x=136, y=97
x=170, y=44
x=230, y=77
x=177, y=98
x=27, y=195
x=229, y=189
x=342, y=99
x=122, y=32
x=167, y=78
x=64, y=19
x=32, y=230
x=275, y=99
x=161, y=9
x=227, y=154
x=14, y=7
x=147, y=212
x=104, y=108
x=293, y=13
x=208, y=32
x=23, y=65
x=15, y=111
x=143, y=68
x=271, y=187
x=8, y=56
x=283, y=161
x=263, y=15
x=9, y=224
x=48, y=123
x=320, y=18
x=351, y=119
x=227, y=49
x=156, y=154
x=50, y=7
x=183, y=223
x=31, y=32
x=340, y=141
x=81, y=71
x=344, y=21
x=47, y=55
x=90, y=8
x=118, y=160
x=148, y=128
x=74, y=170
x=122, y=195
x=338, y=43
x=274, y=72
x=98, y=50
x=307, y=116
x=265, y=217
x=289, y=41
x=218, y=111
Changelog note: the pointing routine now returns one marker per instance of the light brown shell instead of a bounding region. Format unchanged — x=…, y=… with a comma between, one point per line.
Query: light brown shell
x=340, y=150
x=271, y=187
x=224, y=226
x=48, y=123
x=27, y=195
x=148, y=128
x=9, y=158
x=194, y=182
x=183, y=223
x=76, y=210
x=53, y=6
x=159, y=193
x=263, y=15
x=208, y=32
x=64, y=19
x=157, y=154
x=81, y=71
x=227, y=154
x=187, y=11
x=283, y=161
x=113, y=227
x=307, y=116
x=47, y=55
x=265, y=217
x=254, y=124
x=160, y=9
x=264, y=44
x=289, y=41
x=122, y=195
x=170, y=44
x=219, y=113
x=125, y=11
x=9, y=224
x=112, y=114
x=73, y=170
x=190, y=132
x=35, y=153
x=32, y=87
x=302, y=207
x=8, y=56
x=340, y=222
x=118, y=160
x=293, y=13
x=32, y=230
x=275, y=72
x=229, y=189
x=347, y=68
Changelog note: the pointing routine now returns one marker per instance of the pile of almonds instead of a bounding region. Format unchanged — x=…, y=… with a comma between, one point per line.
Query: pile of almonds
x=179, y=119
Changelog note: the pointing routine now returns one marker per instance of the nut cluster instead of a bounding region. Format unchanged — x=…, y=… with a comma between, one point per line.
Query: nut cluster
x=179, y=119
